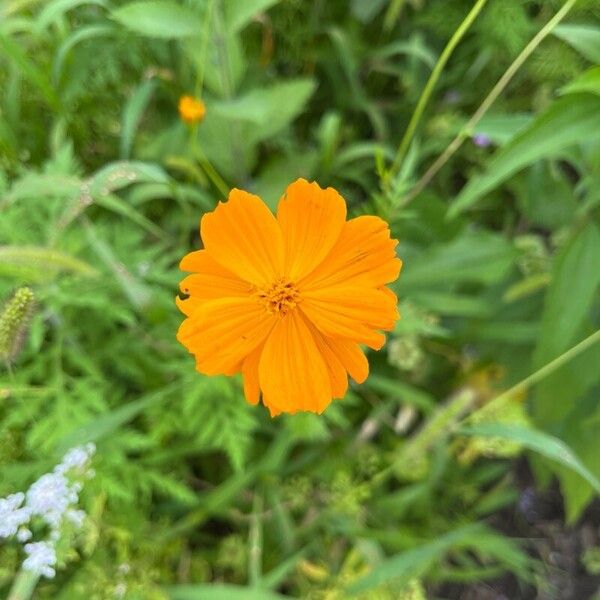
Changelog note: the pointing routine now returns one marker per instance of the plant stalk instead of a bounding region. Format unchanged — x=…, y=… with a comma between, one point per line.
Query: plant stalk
x=487, y=103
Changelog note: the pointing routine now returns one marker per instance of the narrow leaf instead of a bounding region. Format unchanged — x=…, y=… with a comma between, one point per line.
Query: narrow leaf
x=568, y=121
x=159, y=18
x=539, y=442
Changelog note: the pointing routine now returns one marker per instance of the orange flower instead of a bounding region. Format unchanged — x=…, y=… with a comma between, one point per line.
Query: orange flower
x=287, y=300
x=191, y=110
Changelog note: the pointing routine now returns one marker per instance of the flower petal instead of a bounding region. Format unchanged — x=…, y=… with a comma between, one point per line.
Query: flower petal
x=337, y=373
x=221, y=333
x=292, y=371
x=363, y=255
x=351, y=357
x=311, y=220
x=243, y=236
x=351, y=312
x=250, y=373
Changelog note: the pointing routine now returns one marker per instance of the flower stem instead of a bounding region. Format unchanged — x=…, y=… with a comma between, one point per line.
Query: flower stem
x=487, y=103
x=210, y=171
x=202, y=62
x=255, y=543
x=23, y=585
x=428, y=90
x=546, y=370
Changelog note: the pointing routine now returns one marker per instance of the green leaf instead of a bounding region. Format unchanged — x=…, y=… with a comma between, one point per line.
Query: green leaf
x=134, y=110
x=117, y=175
x=501, y=128
x=238, y=13
x=472, y=257
x=159, y=18
x=40, y=264
x=220, y=592
x=580, y=432
x=30, y=71
x=584, y=38
x=415, y=562
x=79, y=35
x=568, y=121
x=589, y=81
x=268, y=109
x=58, y=8
x=279, y=172
x=100, y=427
x=539, y=442
x=575, y=279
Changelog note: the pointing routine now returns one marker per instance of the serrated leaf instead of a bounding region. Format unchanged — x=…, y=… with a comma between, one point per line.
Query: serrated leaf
x=106, y=424
x=159, y=18
x=568, y=121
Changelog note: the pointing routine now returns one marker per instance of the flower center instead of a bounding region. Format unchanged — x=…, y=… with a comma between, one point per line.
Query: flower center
x=279, y=297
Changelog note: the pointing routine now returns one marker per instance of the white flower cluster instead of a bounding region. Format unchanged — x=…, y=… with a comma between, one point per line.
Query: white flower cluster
x=51, y=499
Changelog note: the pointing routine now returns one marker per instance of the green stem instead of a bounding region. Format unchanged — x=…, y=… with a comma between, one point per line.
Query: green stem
x=23, y=585
x=203, y=53
x=255, y=543
x=392, y=14
x=546, y=370
x=210, y=171
x=487, y=103
x=429, y=87
x=462, y=399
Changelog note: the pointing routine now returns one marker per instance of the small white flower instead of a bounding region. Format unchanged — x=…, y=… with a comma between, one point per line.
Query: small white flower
x=24, y=534
x=76, y=458
x=76, y=517
x=49, y=497
x=120, y=590
x=41, y=559
x=12, y=514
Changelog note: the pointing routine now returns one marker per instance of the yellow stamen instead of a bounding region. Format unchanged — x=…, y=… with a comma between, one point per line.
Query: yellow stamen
x=279, y=297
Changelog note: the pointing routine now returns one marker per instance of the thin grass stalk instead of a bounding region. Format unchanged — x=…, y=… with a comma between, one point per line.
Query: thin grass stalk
x=467, y=130
x=430, y=85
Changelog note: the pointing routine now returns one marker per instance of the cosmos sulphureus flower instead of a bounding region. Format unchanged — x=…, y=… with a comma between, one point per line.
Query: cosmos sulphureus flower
x=287, y=300
x=191, y=110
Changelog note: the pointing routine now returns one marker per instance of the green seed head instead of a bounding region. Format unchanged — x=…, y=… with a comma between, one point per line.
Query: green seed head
x=13, y=323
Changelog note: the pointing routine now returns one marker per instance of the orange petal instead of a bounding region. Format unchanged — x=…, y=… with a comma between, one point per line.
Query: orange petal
x=337, y=373
x=250, y=373
x=208, y=287
x=351, y=357
x=311, y=220
x=349, y=312
x=363, y=255
x=244, y=237
x=292, y=371
x=222, y=333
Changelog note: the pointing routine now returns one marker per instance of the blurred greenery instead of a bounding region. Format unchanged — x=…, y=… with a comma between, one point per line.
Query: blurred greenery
x=400, y=490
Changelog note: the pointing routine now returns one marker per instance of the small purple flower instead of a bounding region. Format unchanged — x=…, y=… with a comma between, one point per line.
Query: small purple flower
x=452, y=97
x=482, y=140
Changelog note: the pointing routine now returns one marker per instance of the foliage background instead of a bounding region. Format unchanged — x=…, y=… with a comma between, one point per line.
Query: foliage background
x=388, y=494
